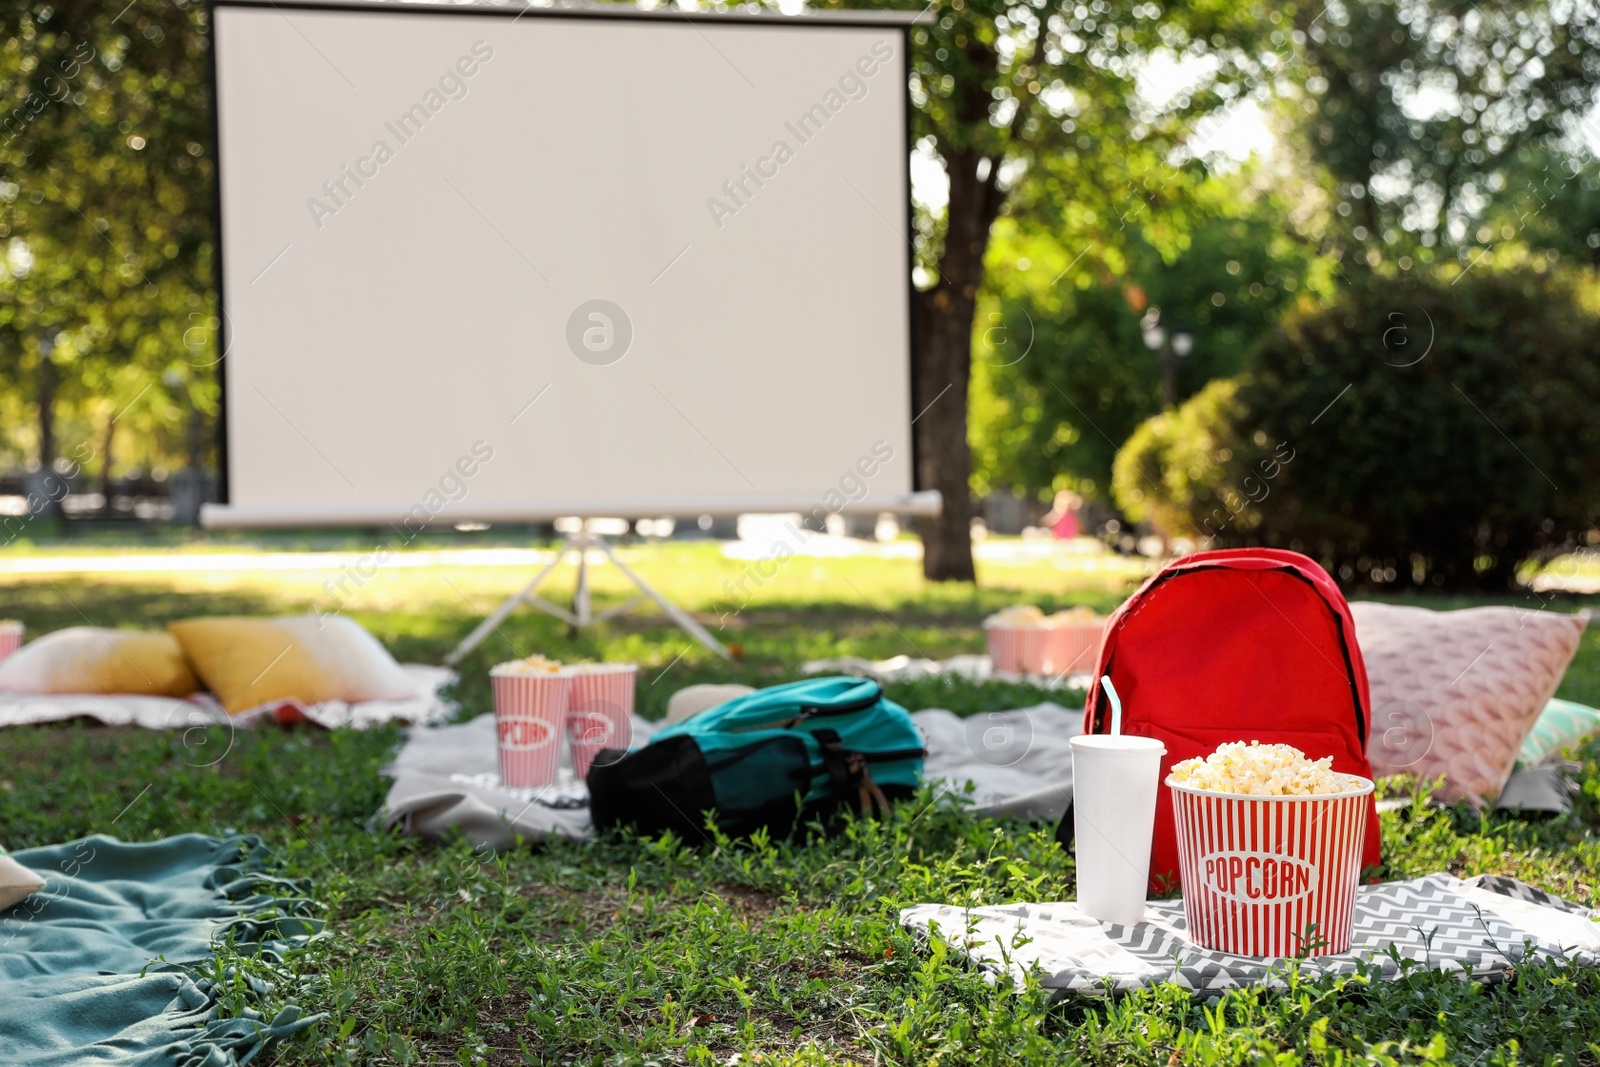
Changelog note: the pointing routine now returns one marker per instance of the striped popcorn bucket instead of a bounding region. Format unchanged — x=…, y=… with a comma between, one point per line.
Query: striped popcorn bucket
x=1017, y=649
x=530, y=711
x=10, y=637
x=601, y=711
x=1270, y=876
x=1071, y=646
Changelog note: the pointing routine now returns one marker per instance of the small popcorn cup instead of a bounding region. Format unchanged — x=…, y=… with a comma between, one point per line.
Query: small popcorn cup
x=1019, y=649
x=1267, y=875
x=530, y=711
x=10, y=637
x=1073, y=646
x=600, y=715
x=1005, y=648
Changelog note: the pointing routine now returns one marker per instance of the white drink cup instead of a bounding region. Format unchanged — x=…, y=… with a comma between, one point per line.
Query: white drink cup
x=1114, y=782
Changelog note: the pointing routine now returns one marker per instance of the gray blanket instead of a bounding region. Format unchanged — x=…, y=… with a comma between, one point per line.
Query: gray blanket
x=1480, y=928
x=446, y=778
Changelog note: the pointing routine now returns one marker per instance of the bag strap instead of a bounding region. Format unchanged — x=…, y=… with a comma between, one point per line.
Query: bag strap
x=849, y=774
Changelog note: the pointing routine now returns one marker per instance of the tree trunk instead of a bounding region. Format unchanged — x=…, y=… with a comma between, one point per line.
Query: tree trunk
x=105, y=463
x=51, y=505
x=944, y=368
x=47, y=412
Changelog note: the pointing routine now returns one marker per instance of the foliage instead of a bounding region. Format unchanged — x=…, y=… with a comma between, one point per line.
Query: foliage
x=1430, y=432
x=631, y=952
x=105, y=202
x=1172, y=468
x=1412, y=113
x=1066, y=375
x=1550, y=202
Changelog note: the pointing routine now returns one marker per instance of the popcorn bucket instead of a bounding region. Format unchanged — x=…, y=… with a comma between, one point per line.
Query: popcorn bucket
x=530, y=711
x=601, y=711
x=1020, y=649
x=10, y=637
x=1072, y=646
x=1005, y=648
x=1045, y=648
x=1270, y=875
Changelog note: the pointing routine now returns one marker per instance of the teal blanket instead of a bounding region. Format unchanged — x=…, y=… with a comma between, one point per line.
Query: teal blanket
x=102, y=966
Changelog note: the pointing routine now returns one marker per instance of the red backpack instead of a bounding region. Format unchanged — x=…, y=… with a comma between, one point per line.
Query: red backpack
x=1250, y=644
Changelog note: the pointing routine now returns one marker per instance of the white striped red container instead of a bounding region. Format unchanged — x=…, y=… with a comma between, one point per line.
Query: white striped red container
x=1270, y=876
x=1005, y=646
x=600, y=713
x=10, y=637
x=1050, y=648
x=530, y=713
x=1075, y=646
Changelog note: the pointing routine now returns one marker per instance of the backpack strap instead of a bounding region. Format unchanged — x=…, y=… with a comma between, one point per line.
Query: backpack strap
x=849, y=774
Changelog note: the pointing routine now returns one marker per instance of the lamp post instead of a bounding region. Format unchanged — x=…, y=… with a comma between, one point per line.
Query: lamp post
x=1173, y=346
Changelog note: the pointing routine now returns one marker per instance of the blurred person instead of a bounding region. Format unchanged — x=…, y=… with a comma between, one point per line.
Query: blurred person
x=1063, y=516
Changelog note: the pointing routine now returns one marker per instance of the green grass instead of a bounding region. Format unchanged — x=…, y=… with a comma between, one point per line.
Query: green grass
x=637, y=952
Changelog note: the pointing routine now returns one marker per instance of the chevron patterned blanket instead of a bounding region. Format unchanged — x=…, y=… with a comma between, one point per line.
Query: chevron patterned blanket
x=1478, y=928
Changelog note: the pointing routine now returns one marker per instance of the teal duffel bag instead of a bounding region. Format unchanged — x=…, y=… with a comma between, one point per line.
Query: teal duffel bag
x=776, y=758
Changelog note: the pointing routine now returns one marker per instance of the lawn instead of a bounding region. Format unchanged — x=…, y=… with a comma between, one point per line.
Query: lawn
x=647, y=952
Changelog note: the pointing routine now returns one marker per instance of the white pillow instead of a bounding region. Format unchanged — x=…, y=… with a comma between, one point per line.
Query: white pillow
x=693, y=699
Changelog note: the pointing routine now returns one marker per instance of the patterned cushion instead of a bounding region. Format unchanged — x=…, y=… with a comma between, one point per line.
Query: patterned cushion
x=1455, y=692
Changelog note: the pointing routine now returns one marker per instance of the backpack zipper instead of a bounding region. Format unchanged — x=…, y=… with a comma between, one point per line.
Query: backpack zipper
x=812, y=711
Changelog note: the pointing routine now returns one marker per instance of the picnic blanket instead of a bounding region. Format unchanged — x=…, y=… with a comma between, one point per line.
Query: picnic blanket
x=447, y=778
x=1479, y=928
x=202, y=709
x=97, y=966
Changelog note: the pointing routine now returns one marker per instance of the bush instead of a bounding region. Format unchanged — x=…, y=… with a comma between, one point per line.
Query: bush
x=1421, y=433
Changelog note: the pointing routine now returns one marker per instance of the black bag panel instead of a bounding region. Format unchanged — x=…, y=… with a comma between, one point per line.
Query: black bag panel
x=670, y=785
x=663, y=786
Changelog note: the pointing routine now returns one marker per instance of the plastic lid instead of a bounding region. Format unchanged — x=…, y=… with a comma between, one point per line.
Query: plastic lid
x=1130, y=743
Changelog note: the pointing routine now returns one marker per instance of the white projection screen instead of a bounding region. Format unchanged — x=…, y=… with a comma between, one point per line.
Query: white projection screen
x=560, y=262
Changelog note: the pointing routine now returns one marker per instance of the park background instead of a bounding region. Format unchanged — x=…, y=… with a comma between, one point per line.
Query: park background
x=1320, y=276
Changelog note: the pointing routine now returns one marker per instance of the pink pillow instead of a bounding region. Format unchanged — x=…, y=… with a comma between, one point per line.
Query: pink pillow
x=1455, y=692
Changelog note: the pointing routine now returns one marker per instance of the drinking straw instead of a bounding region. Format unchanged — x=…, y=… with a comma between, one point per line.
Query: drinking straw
x=1116, y=703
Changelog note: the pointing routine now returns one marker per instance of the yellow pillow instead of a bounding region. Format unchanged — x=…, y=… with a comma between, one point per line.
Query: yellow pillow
x=305, y=658
x=86, y=659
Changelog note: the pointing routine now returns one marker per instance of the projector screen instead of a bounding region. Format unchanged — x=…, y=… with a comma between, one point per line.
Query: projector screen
x=560, y=263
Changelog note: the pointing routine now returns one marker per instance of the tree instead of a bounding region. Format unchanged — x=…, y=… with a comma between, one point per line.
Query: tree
x=1414, y=113
x=1006, y=88
x=1421, y=431
x=105, y=200
x=1065, y=363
